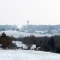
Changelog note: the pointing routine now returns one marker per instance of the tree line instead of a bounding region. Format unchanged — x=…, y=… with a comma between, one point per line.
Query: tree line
x=51, y=44
x=45, y=43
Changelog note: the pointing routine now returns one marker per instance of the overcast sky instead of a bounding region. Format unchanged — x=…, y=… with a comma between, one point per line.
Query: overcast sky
x=36, y=11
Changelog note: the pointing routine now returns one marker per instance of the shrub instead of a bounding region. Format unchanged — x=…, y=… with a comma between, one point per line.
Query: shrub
x=12, y=46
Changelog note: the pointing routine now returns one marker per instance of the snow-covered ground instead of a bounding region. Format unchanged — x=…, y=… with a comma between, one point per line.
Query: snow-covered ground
x=22, y=34
x=23, y=46
x=18, y=43
x=27, y=55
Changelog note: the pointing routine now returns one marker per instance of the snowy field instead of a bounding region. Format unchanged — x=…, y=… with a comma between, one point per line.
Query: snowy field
x=22, y=34
x=27, y=55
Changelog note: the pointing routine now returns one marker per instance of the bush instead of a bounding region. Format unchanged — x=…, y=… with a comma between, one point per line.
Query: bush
x=29, y=46
x=12, y=46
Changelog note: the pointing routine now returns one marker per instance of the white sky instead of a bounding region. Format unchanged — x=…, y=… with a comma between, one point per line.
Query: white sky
x=36, y=11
